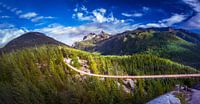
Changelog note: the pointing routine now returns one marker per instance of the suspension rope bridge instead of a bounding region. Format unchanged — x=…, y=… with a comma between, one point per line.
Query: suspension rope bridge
x=135, y=77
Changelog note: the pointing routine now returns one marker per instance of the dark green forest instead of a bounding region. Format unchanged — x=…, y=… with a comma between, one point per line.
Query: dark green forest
x=40, y=76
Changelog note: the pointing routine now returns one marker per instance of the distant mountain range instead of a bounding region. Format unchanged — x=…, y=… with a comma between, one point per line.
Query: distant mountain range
x=30, y=39
x=176, y=44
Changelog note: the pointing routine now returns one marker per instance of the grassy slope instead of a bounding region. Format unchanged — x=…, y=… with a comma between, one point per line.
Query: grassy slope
x=39, y=75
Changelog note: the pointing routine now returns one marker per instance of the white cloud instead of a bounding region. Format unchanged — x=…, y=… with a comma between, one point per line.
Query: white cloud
x=145, y=9
x=13, y=10
x=130, y=20
x=36, y=19
x=176, y=18
x=149, y=25
x=33, y=16
x=101, y=10
x=76, y=9
x=9, y=34
x=195, y=4
x=4, y=17
x=99, y=15
x=96, y=15
x=193, y=22
x=18, y=12
x=83, y=8
x=132, y=15
x=65, y=34
x=80, y=16
x=28, y=15
x=6, y=25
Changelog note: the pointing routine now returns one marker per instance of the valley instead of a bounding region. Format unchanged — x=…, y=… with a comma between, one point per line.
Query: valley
x=47, y=72
x=99, y=52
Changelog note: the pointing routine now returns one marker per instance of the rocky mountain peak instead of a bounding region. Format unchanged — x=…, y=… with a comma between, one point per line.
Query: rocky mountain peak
x=89, y=36
x=92, y=36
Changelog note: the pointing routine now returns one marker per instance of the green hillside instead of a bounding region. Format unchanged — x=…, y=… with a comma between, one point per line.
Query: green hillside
x=177, y=45
x=40, y=76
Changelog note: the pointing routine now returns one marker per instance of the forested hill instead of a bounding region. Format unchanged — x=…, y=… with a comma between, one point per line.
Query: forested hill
x=176, y=44
x=30, y=39
x=40, y=76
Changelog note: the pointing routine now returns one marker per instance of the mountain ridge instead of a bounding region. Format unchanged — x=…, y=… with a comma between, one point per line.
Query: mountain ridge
x=176, y=44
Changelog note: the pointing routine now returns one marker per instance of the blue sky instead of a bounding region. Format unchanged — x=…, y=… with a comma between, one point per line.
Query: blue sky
x=69, y=20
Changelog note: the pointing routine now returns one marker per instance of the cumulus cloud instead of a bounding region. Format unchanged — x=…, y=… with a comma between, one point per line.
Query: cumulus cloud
x=99, y=15
x=132, y=15
x=193, y=22
x=28, y=15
